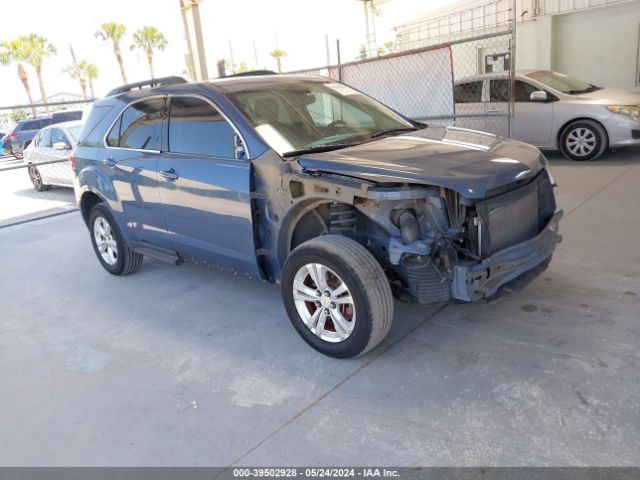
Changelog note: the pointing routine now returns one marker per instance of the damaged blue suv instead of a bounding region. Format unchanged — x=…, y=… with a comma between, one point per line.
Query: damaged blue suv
x=311, y=184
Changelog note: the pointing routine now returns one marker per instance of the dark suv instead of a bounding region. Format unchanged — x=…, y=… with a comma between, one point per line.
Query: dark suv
x=23, y=133
x=314, y=185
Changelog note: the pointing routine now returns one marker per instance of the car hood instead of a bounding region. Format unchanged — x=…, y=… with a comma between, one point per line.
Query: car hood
x=471, y=163
x=611, y=96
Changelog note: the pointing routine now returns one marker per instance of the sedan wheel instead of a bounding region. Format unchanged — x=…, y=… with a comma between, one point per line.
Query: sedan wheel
x=36, y=180
x=583, y=140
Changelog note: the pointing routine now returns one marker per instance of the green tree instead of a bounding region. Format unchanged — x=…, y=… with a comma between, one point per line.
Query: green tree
x=241, y=68
x=363, y=53
x=18, y=114
x=39, y=48
x=149, y=39
x=16, y=52
x=389, y=46
x=113, y=32
x=76, y=73
x=90, y=73
x=278, y=54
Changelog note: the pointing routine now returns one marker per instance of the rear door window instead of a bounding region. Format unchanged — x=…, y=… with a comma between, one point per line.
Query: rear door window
x=499, y=91
x=470, y=92
x=197, y=128
x=139, y=127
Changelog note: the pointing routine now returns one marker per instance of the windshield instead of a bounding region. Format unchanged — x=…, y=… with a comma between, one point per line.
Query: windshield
x=74, y=132
x=562, y=83
x=306, y=115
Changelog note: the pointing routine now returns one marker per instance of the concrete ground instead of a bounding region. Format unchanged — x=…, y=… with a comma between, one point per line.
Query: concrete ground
x=186, y=366
x=20, y=202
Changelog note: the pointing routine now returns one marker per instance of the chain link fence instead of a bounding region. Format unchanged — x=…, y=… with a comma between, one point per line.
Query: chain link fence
x=453, y=70
x=36, y=179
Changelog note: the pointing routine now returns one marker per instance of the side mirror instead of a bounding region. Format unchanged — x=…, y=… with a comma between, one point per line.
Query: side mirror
x=538, y=96
x=61, y=146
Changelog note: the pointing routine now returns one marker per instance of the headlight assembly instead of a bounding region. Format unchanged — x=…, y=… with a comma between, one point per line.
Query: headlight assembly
x=629, y=110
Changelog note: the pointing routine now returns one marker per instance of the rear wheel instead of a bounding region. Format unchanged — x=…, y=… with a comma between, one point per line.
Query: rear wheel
x=583, y=140
x=36, y=179
x=111, y=248
x=337, y=296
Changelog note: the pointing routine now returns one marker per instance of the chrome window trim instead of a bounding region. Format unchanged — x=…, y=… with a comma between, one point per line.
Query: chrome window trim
x=168, y=97
x=224, y=115
x=104, y=138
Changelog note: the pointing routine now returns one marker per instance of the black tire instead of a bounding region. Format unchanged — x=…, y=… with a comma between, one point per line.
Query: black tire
x=594, y=136
x=36, y=180
x=127, y=261
x=366, y=282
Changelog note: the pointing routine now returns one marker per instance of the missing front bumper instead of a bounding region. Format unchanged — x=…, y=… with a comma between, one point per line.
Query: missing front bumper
x=471, y=283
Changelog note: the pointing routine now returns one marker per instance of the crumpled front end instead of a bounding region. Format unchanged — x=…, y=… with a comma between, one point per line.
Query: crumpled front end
x=445, y=246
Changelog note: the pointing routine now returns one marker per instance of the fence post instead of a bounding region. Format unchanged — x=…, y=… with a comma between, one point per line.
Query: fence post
x=512, y=66
x=339, y=62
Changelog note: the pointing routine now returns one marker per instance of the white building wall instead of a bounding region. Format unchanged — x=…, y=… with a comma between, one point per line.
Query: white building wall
x=597, y=40
x=534, y=44
x=600, y=46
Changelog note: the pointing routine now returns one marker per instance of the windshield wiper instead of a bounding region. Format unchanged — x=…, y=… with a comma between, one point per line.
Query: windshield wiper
x=393, y=130
x=589, y=89
x=318, y=149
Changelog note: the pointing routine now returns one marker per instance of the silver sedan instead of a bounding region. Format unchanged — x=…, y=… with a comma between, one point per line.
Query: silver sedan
x=552, y=111
x=52, y=144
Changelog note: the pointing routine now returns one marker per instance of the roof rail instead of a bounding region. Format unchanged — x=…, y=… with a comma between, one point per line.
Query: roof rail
x=154, y=82
x=252, y=73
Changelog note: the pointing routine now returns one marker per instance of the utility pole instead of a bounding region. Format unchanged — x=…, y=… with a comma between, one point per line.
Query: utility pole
x=326, y=48
x=255, y=54
x=193, y=34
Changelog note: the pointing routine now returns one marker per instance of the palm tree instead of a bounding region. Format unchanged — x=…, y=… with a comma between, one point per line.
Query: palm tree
x=39, y=48
x=149, y=39
x=90, y=72
x=278, y=54
x=17, y=52
x=114, y=32
x=76, y=73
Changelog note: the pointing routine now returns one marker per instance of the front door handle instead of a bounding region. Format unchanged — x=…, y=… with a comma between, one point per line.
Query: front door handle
x=109, y=162
x=169, y=174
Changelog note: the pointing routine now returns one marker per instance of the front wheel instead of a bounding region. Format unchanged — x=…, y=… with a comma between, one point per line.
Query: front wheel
x=583, y=140
x=36, y=180
x=337, y=296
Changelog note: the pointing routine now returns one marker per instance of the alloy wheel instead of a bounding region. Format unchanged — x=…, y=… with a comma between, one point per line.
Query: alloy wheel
x=324, y=302
x=105, y=240
x=36, y=179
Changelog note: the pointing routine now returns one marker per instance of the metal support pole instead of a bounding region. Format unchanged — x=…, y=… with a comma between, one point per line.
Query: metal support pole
x=193, y=34
x=339, y=65
x=512, y=65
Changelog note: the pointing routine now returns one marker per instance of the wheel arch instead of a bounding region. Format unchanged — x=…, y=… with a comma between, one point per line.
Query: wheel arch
x=562, y=129
x=88, y=199
x=298, y=226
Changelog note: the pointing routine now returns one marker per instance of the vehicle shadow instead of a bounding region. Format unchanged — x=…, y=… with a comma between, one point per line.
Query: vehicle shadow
x=59, y=194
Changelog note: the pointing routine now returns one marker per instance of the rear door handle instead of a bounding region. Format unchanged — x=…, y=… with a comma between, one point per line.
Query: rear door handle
x=169, y=174
x=109, y=162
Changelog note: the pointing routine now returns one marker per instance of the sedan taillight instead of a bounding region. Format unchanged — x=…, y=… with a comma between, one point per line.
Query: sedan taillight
x=72, y=159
